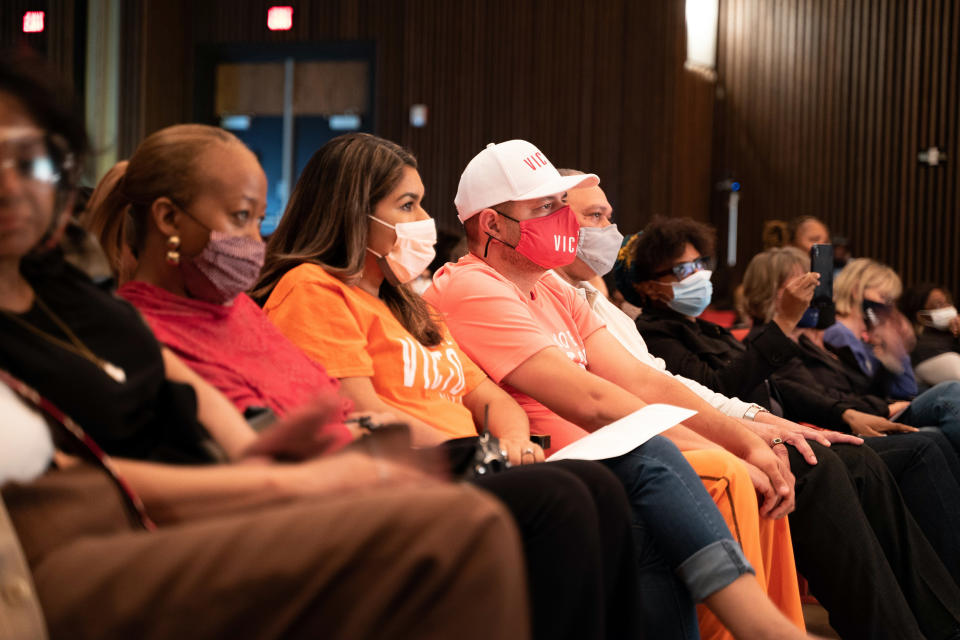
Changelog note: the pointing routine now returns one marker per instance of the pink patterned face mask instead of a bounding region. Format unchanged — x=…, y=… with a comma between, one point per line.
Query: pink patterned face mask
x=549, y=241
x=227, y=266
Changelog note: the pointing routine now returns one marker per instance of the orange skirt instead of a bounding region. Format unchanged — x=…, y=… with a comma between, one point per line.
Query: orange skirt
x=766, y=543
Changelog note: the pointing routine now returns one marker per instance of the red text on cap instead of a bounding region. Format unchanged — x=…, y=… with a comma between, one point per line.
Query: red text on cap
x=536, y=161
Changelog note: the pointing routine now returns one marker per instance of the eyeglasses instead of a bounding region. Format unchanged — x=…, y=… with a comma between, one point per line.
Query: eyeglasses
x=41, y=158
x=685, y=269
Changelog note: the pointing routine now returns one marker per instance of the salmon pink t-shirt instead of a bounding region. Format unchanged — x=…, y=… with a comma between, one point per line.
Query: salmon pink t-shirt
x=500, y=328
x=354, y=334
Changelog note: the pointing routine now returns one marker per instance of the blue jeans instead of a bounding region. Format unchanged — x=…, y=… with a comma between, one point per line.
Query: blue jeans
x=685, y=551
x=938, y=406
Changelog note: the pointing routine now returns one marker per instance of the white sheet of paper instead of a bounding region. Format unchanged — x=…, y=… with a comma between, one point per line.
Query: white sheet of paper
x=624, y=435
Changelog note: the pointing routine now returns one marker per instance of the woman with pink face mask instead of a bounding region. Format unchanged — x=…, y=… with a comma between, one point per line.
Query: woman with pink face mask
x=185, y=244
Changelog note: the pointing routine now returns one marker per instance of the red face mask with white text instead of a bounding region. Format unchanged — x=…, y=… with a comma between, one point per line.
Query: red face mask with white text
x=549, y=241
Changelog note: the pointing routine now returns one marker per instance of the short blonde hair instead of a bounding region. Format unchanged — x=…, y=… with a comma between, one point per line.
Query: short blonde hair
x=858, y=276
x=764, y=276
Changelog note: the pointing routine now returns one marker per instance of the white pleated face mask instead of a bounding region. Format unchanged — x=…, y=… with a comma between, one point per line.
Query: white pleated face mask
x=411, y=253
x=939, y=318
x=598, y=247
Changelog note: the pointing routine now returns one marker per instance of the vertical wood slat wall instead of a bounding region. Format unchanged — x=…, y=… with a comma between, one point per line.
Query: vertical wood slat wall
x=598, y=85
x=826, y=104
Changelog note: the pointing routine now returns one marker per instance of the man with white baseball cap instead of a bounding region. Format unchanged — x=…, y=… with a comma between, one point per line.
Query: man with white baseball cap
x=516, y=171
x=535, y=337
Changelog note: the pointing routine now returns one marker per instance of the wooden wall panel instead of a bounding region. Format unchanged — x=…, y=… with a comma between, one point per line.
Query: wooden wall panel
x=826, y=104
x=597, y=84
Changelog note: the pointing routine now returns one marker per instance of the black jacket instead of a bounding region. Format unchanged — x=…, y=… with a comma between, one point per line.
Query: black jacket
x=932, y=343
x=817, y=387
x=708, y=353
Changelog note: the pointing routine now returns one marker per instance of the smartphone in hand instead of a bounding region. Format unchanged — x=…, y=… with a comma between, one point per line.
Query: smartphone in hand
x=821, y=261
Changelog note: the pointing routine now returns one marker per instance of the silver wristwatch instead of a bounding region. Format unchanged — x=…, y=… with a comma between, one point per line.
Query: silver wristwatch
x=751, y=413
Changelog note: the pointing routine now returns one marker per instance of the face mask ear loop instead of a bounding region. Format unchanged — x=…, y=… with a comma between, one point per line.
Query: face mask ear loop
x=486, y=247
x=184, y=211
x=383, y=222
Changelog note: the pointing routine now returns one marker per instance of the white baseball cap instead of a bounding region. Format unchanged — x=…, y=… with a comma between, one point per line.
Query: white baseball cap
x=512, y=170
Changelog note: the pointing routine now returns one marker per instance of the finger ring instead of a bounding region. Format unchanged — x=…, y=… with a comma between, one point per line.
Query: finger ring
x=528, y=450
x=775, y=442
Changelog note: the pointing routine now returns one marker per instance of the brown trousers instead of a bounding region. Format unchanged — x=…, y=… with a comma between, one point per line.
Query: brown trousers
x=438, y=562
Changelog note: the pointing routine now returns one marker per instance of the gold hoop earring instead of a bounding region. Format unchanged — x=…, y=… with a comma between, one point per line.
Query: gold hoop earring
x=173, y=253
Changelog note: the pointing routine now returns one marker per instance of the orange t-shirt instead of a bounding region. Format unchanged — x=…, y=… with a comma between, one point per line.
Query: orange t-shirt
x=354, y=334
x=500, y=329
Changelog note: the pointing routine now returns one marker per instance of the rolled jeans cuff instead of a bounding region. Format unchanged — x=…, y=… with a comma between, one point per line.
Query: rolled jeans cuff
x=712, y=568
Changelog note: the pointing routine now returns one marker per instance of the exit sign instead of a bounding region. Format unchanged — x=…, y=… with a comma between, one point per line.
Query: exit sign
x=280, y=18
x=33, y=22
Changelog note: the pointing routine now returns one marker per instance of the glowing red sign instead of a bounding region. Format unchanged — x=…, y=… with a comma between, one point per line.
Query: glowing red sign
x=33, y=22
x=280, y=18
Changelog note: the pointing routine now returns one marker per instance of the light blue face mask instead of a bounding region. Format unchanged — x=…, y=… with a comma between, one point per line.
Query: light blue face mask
x=692, y=294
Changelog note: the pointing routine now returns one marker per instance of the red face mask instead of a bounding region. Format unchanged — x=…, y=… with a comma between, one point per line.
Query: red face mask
x=549, y=241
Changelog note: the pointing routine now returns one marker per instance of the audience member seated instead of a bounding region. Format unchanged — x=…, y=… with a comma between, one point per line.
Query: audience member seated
x=869, y=331
x=597, y=249
x=667, y=275
x=203, y=316
x=816, y=387
x=123, y=400
x=340, y=547
x=936, y=358
x=871, y=335
x=806, y=231
x=880, y=562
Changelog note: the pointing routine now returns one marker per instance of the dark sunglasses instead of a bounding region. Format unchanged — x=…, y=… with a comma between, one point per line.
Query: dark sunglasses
x=876, y=313
x=685, y=269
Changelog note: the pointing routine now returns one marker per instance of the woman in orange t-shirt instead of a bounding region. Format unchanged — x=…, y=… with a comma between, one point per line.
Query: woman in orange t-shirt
x=335, y=288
